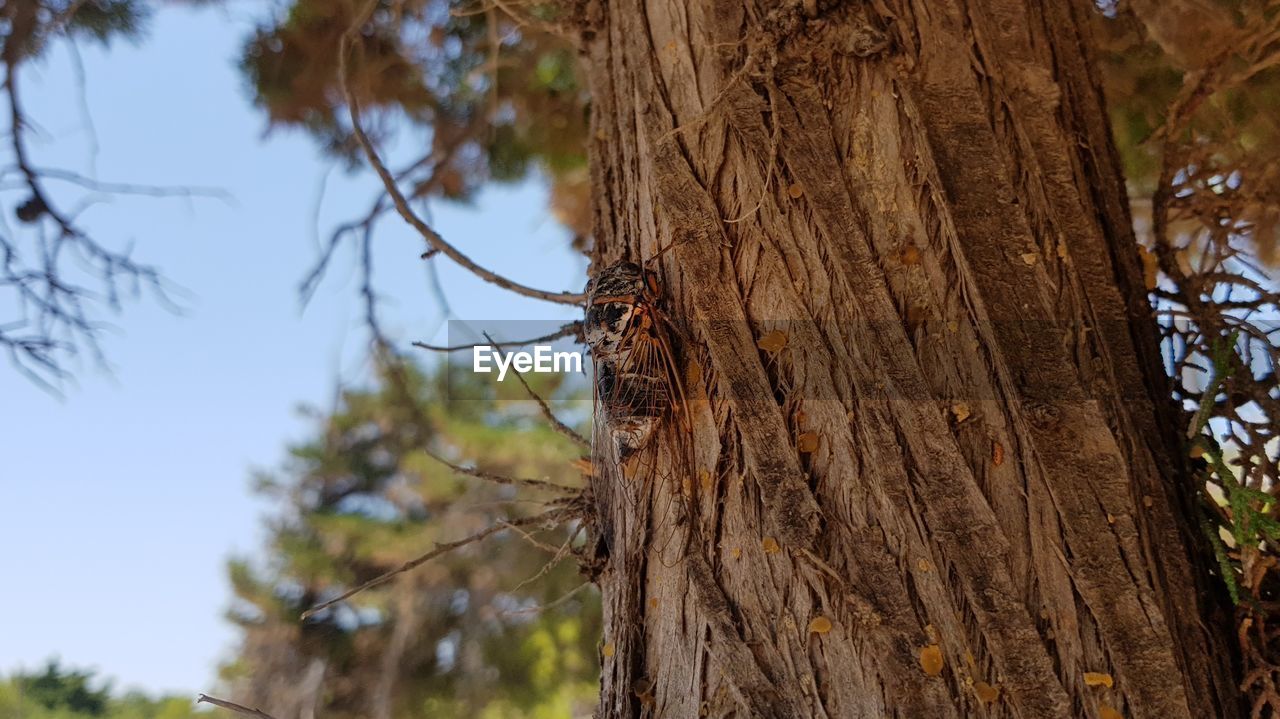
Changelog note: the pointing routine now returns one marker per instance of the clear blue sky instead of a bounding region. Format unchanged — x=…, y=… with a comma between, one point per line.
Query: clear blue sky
x=120, y=502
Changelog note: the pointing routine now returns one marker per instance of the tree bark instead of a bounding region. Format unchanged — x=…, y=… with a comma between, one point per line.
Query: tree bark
x=924, y=199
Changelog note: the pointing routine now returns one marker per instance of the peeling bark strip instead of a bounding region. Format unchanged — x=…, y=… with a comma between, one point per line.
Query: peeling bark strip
x=906, y=187
x=769, y=456
x=761, y=695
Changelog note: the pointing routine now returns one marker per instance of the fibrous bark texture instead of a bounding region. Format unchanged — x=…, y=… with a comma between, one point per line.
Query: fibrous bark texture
x=927, y=417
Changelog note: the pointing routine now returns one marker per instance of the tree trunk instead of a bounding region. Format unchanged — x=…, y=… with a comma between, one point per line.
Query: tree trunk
x=964, y=450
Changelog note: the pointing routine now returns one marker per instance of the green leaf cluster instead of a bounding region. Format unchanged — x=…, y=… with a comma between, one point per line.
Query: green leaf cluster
x=485, y=98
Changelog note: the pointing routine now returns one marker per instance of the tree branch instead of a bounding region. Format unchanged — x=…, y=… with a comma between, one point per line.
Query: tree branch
x=572, y=328
x=553, y=515
x=550, y=416
x=402, y=204
x=232, y=706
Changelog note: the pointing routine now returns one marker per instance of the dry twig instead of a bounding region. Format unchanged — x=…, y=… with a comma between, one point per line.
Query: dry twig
x=401, y=203
x=232, y=706
x=560, y=427
x=554, y=515
x=572, y=329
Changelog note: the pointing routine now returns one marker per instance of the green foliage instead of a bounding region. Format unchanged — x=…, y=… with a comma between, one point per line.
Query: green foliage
x=56, y=688
x=33, y=24
x=496, y=97
x=1141, y=83
x=459, y=636
x=104, y=20
x=1245, y=514
x=60, y=693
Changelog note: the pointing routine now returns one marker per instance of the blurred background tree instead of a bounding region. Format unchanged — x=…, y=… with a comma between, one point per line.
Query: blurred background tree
x=505, y=627
x=57, y=692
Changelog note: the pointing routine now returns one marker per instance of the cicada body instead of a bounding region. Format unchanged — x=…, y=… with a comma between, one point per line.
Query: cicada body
x=632, y=355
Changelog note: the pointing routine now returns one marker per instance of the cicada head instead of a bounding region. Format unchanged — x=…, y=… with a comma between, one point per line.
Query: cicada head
x=612, y=299
x=617, y=280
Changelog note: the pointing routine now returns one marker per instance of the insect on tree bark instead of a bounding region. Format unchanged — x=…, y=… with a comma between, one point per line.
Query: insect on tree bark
x=930, y=468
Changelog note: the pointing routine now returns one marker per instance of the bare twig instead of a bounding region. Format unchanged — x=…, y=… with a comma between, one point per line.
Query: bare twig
x=570, y=329
x=550, y=416
x=395, y=373
x=232, y=706
x=560, y=427
x=439, y=159
x=534, y=542
x=549, y=605
x=402, y=204
x=55, y=313
x=550, y=564
x=550, y=516
x=125, y=188
x=498, y=478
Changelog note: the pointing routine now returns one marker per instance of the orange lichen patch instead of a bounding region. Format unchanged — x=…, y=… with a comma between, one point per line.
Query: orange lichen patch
x=924, y=565
x=608, y=649
x=771, y=545
x=986, y=693
x=997, y=454
x=1029, y=258
x=819, y=625
x=1098, y=679
x=795, y=190
x=704, y=479
x=961, y=412
x=931, y=660
x=736, y=552
x=1106, y=712
x=773, y=342
x=807, y=442
x=653, y=602
x=909, y=255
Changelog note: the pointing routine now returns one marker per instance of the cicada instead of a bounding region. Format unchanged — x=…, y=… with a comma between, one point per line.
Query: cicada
x=637, y=384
